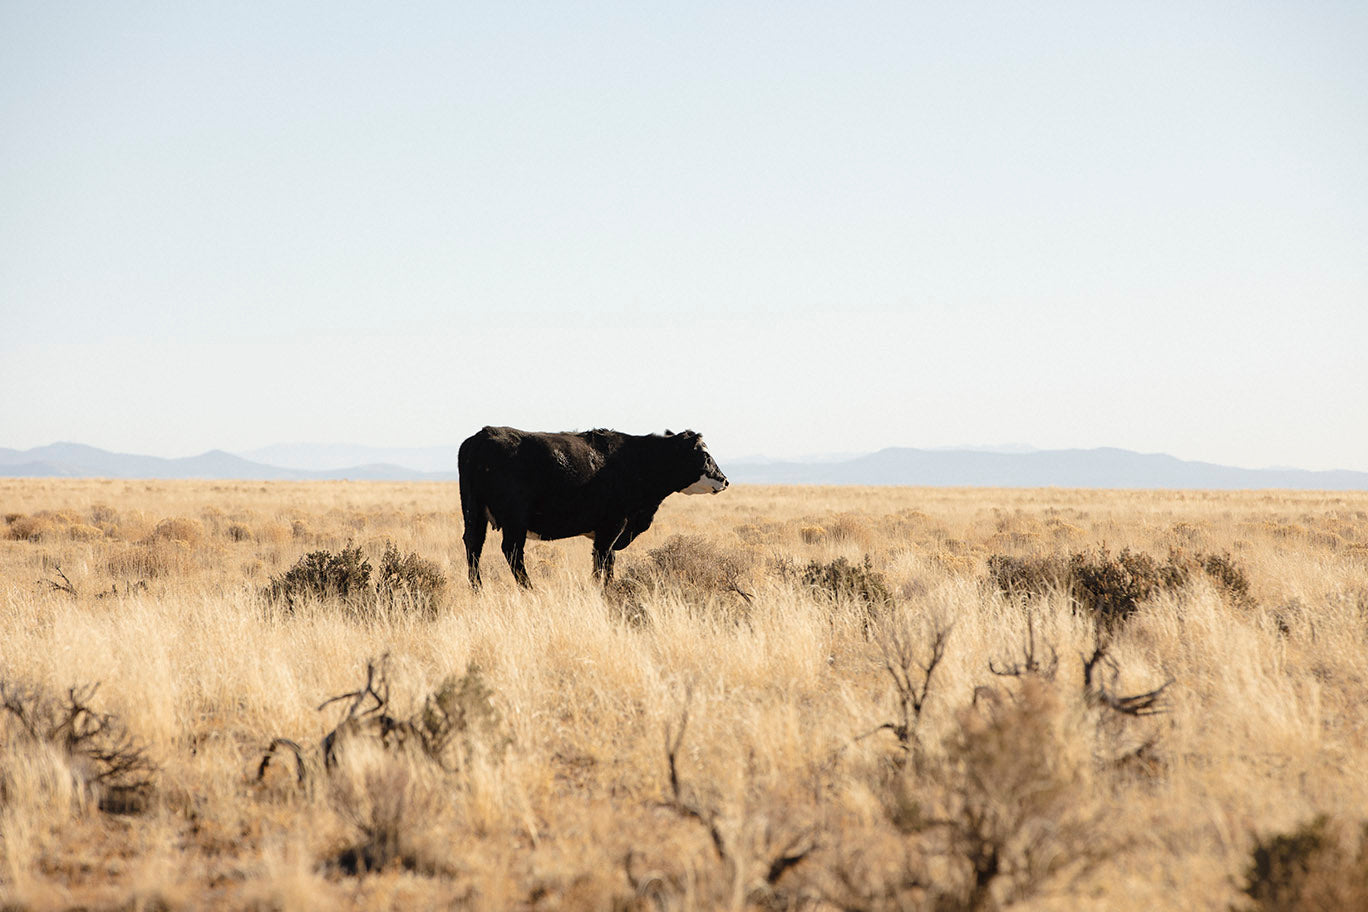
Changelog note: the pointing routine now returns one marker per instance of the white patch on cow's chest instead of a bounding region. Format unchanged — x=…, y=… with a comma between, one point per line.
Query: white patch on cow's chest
x=704, y=485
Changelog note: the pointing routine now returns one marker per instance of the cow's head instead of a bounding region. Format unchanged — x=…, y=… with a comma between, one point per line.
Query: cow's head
x=705, y=477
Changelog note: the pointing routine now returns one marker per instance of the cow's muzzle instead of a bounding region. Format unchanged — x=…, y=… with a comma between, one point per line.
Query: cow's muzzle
x=707, y=484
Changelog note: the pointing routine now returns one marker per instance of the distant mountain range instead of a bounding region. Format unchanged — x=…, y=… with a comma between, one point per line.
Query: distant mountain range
x=75, y=460
x=1105, y=467
x=343, y=456
x=981, y=467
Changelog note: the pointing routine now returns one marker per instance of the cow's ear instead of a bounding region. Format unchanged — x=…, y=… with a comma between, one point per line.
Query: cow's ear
x=669, y=433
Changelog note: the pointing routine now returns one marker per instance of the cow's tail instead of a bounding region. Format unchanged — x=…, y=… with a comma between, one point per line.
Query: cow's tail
x=472, y=509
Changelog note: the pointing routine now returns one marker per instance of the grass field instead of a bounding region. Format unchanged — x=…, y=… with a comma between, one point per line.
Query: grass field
x=755, y=718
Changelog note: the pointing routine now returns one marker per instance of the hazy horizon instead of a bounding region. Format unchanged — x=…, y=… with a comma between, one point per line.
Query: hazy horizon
x=311, y=456
x=820, y=230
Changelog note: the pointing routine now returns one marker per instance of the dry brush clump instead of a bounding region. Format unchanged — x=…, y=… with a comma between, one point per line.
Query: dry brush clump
x=453, y=722
x=840, y=581
x=410, y=580
x=179, y=529
x=688, y=568
x=387, y=773
x=910, y=655
x=1002, y=805
x=1014, y=813
x=847, y=589
x=323, y=575
x=999, y=810
x=1315, y=866
x=405, y=580
x=746, y=865
x=1111, y=588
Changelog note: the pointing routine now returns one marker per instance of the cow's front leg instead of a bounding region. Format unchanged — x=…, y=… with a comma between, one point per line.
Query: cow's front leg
x=514, y=540
x=606, y=541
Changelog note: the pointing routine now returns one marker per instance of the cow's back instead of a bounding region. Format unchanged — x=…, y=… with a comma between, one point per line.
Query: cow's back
x=537, y=461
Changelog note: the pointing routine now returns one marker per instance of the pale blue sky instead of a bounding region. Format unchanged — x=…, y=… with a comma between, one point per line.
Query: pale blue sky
x=797, y=228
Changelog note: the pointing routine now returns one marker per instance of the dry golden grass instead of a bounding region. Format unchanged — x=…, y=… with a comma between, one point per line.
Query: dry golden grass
x=777, y=707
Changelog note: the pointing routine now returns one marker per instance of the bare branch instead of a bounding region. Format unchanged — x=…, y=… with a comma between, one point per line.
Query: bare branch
x=301, y=769
x=1031, y=664
x=739, y=591
x=673, y=741
x=65, y=585
x=911, y=677
x=1142, y=704
x=1100, y=646
x=1145, y=704
x=790, y=855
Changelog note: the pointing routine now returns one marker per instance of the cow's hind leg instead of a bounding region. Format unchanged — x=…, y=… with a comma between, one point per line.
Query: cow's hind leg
x=514, y=541
x=476, y=526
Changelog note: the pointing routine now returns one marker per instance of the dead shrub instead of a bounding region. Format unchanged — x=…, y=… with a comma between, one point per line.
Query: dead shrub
x=106, y=759
x=456, y=722
x=1001, y=816
x=750, y=865
x=902, y=648
x=239, y=532
x=813, y=534
x=694, y=563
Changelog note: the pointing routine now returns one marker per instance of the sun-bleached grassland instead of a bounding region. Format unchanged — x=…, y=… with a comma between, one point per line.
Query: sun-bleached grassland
x=564, y=801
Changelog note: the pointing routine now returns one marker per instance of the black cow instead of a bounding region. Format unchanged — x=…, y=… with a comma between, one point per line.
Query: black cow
x=602, y=484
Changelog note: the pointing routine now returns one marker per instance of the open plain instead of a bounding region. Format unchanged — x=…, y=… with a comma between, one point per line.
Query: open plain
x=817, y=698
